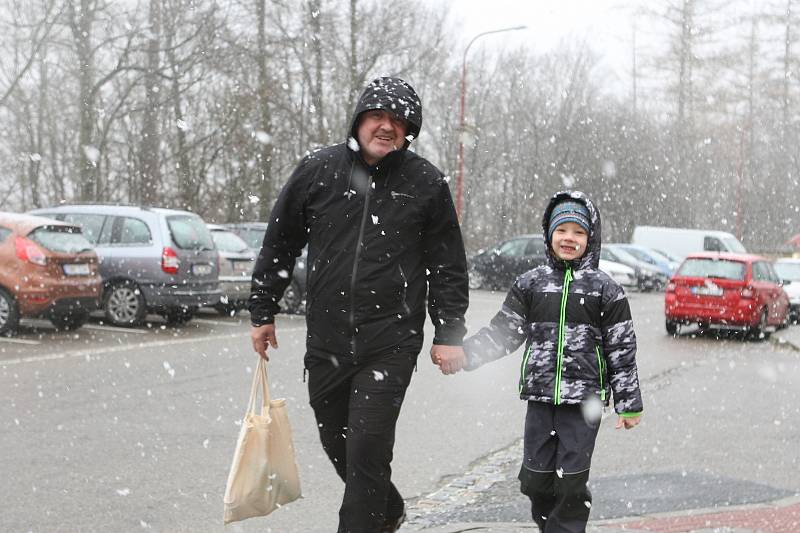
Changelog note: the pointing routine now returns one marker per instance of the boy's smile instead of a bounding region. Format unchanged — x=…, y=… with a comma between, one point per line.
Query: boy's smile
x=569, y=241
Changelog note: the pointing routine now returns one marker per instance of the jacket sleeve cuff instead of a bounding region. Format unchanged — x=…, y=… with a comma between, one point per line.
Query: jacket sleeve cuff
x=450, y=336
x=630, y=415
x=260, y=321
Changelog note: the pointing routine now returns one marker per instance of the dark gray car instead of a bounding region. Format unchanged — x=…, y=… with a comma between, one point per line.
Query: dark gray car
x=151, y=260
x=498, y=267
x=294, y=299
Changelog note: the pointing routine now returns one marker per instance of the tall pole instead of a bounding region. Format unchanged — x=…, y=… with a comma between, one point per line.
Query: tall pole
x=460, y=172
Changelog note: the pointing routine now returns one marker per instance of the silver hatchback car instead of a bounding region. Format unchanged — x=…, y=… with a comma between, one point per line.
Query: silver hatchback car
x=236, y=262
x=151, y=260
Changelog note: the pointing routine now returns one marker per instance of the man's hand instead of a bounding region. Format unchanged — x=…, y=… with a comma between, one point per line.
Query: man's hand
x=628, y=422
x=450, y=359
x=263, y=337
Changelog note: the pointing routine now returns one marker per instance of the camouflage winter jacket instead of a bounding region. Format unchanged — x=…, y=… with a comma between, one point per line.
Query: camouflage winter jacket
x=576, y=324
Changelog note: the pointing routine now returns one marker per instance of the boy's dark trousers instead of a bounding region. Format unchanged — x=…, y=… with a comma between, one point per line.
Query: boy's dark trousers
x=558, y=453
x=356, y=407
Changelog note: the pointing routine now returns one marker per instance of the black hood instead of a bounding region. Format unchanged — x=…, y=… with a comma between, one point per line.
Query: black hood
x=395, y=96
x=592, y=256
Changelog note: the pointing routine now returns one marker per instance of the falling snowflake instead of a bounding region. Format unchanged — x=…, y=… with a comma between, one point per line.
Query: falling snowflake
x=253, y=198
x=377, y=375
x=91, y=153
x=263, y=137
x=169, y=369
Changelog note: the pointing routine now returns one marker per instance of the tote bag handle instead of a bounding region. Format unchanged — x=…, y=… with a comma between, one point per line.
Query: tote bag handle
x=259, y=379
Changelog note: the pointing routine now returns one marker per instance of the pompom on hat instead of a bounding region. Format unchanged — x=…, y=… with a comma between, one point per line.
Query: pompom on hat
x=569, y=211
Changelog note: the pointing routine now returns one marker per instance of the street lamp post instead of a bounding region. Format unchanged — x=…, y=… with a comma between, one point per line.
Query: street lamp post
x=460, y=174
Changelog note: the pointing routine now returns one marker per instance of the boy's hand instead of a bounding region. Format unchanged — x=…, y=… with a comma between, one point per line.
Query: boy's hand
x=450, y=359
x=629, y=422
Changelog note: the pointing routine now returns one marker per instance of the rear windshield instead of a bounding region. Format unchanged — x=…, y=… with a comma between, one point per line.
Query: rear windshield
x=712, y=268
x=638, y=254
x=253, y=237
x=62, y=239
x=190, y=232
x=790, y=271
x=227, y=241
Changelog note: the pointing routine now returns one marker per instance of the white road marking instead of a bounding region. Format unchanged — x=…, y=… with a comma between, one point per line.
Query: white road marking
x=114, y=328
x=219, y=322
x=19, y=341
x=126, y=348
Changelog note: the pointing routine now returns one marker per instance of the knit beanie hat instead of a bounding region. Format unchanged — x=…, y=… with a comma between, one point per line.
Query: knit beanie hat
x=568, y=211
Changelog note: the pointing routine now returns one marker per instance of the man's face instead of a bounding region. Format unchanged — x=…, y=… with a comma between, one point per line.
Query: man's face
x=380, y=132
x=569, y=241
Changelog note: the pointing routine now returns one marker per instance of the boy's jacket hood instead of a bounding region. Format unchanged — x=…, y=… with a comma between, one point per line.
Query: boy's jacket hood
x=395, y=96
x=592, y=256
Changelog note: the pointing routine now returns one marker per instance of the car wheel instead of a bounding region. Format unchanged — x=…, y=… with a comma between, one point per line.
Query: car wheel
x=124, y=304
x=69, y=321
x=9, y=313
x=476, y=280
x=292, y=301
x=227, y=309
x=178, y=316
x=672, y=327
x=760, y=331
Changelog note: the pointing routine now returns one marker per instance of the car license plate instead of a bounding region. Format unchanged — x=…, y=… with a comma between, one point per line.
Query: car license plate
x=76, y=269
x=707, y=291
x=241, y=266
x=201, y=269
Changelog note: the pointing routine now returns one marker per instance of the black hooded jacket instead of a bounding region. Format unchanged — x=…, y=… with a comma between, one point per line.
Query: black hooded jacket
x=378, y=238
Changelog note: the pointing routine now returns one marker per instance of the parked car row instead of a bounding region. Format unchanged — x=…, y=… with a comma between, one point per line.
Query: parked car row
x=632, y=266
x=64, y=262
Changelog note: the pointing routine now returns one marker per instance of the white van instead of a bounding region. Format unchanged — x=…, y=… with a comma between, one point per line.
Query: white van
x=680, y=242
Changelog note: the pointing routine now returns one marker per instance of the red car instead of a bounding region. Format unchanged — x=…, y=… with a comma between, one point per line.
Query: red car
x=47, y=269
x=726, y=290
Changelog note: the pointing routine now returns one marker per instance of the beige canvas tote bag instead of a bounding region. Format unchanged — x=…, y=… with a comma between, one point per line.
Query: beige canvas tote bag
x=264, y=474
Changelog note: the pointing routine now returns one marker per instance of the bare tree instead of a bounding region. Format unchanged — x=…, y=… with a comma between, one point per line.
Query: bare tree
x=150, y=173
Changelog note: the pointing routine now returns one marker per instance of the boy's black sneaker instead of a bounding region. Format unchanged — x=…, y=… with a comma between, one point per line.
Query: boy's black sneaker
x=390, y=525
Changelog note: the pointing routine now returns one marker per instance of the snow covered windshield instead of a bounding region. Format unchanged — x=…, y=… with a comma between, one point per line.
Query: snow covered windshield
x=790, y=271
x=712, y=268
x=190, y=232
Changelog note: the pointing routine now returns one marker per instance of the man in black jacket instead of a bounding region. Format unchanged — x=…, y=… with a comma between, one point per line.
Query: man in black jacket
x=382, y=236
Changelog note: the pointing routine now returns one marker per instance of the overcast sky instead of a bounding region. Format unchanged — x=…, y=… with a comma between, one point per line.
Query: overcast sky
x=606, y=24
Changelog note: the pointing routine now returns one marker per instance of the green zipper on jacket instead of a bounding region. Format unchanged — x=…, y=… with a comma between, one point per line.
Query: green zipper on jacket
x=522, y=368
x=561, y=322
x=601, y=369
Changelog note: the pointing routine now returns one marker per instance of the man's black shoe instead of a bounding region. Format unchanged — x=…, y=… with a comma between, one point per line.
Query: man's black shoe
x=390, y=525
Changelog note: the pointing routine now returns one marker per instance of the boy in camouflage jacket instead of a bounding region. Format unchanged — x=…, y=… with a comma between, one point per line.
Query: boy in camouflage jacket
x=580, y=348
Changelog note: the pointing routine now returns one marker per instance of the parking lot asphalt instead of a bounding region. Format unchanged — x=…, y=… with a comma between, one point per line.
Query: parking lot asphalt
x=780, y=516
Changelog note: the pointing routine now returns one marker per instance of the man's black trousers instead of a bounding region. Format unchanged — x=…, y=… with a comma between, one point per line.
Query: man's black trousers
x=558, y=453
x=356, y=407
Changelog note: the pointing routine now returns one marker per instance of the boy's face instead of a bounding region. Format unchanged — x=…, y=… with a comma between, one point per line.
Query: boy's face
x=569, y=241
